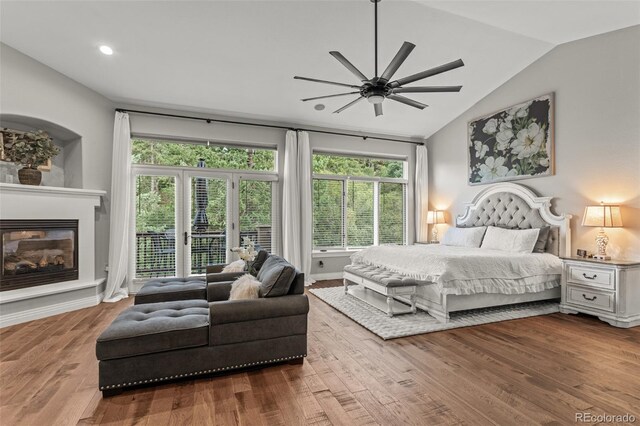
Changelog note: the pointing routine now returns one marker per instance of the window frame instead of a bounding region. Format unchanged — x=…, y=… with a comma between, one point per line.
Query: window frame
x=376, y=180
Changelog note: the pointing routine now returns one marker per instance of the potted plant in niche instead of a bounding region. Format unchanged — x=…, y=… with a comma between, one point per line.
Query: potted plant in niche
x=29, y=149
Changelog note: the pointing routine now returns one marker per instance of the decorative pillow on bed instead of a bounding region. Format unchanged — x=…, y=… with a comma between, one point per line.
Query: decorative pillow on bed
x=245, y=287
x=541, y=243
x=237, y=266
x=511, y=240
x=464, y=237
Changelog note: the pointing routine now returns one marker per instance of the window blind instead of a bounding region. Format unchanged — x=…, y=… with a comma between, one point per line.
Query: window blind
x=328, y=213
x=392, y=213
x=360, y=205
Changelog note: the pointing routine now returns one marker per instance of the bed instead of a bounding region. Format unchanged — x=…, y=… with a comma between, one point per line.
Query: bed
x=459, y=278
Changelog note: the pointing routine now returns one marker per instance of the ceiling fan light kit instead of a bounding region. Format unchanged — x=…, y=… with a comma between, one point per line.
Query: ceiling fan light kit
x=379, y=88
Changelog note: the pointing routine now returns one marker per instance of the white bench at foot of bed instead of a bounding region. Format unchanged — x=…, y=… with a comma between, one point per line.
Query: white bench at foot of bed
x=373, y=285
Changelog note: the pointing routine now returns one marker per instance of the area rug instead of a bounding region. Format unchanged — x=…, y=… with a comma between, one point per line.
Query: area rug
x=387, y=328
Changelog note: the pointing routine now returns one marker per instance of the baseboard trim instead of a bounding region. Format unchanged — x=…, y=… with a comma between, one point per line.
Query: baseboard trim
x=327, y=276
x=47, y=311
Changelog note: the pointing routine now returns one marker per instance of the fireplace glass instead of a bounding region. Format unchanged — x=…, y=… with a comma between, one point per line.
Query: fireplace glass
x=36, y=252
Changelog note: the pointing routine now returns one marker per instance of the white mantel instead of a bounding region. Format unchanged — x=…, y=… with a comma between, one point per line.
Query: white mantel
x=47, y=202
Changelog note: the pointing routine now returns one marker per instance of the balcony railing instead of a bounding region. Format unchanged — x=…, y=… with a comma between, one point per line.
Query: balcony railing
x=156, y=251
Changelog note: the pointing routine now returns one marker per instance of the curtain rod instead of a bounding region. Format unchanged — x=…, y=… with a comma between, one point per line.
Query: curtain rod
x=271, y=126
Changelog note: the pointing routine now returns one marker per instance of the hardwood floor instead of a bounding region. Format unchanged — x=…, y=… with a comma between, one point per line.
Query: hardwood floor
x=540, y=370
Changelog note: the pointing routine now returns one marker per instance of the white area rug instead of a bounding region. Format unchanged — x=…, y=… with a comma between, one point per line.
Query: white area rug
x=380, y=324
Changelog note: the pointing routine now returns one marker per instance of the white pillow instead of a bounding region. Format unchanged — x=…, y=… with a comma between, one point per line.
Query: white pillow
x=245, y=287
x=237, y=266
x=464, y=237
x=511, y=240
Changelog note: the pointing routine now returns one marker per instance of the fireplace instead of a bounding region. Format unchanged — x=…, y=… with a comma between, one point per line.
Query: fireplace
x=36, y=252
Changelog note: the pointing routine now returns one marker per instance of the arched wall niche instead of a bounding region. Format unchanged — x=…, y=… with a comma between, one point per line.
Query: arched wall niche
x=66, y=167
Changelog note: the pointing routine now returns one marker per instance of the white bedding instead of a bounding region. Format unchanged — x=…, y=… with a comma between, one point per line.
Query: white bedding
x=464, y=270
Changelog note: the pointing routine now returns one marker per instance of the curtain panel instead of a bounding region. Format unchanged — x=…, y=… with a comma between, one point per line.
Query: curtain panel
x=120, y=210
x=421, y=194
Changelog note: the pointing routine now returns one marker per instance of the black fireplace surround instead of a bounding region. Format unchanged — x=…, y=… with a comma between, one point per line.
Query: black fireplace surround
x=37, y=252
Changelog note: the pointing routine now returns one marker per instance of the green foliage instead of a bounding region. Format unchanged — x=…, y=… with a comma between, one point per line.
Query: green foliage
x=215, y=157
x=326, y=164
x=155, y=195
x=29, y=149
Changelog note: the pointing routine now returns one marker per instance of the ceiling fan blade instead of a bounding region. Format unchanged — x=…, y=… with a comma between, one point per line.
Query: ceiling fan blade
x=407, y=101
x=329, y=96
x=397, y=60
x=378, y=109
x=426, y=89
x=315, y=80
x=344, y=61
x=350, y=104
x=428, y=73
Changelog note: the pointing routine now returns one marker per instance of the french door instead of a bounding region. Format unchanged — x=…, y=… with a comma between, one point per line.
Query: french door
x=185, y=219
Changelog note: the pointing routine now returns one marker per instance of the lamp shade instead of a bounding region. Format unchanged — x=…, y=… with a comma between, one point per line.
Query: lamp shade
x=435, y=217
x=603, y=215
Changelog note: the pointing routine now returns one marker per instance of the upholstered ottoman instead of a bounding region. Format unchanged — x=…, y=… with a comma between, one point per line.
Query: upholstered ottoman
x=169, y=327
x=171, y=289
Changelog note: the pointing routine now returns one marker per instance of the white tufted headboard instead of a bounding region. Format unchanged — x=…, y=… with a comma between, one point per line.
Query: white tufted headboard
x=509, y=205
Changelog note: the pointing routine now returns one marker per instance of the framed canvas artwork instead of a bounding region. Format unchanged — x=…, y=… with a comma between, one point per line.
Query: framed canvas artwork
x=511, y=144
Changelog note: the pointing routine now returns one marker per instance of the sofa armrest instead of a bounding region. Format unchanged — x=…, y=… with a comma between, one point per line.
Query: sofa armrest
x=230, y=311
x=218, y=291
x=215, y=268
x=224, y=276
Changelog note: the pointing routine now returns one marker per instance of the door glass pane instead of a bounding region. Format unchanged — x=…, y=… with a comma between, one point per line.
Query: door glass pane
x=392, y=213
x=359, y=214
x=208, y=223
x=327, y=213
x=256, y=213
x=155, y=226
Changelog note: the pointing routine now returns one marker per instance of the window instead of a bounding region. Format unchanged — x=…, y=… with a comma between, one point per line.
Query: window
x=358, y=202
x=195, y=202
x=169, y=153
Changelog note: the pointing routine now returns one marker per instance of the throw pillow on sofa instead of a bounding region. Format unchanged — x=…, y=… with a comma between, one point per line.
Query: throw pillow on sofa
x=245, y=287
x=275, y=276
x=237, y=266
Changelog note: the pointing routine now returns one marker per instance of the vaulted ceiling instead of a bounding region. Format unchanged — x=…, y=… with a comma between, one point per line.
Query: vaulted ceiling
x=238, y=57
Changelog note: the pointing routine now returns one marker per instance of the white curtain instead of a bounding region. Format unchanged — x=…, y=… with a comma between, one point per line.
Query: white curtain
x=296, y=202
x=422, y=194
x=120, y=211
x=304, y=179
x=291, y=202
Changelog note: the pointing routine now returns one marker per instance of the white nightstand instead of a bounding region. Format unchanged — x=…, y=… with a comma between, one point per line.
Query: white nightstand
x=608, y=289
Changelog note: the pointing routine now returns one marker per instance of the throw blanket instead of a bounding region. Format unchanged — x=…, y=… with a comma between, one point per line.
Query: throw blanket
x=463, y=270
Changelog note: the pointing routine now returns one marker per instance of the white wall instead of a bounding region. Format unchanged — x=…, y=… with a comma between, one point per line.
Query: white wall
x=31, y=89
x=597, y=135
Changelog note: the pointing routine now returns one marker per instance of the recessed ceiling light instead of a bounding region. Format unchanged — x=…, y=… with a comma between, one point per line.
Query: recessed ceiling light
x=319, y=107
x=106, y=50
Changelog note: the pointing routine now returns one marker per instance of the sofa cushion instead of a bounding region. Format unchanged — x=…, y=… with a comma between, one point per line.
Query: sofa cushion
x=275, y=276
x=261, y=257
x=171, y=289
x=155, y=327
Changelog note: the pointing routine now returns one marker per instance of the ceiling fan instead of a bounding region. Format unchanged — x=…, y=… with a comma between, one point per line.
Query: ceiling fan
x=379, y=88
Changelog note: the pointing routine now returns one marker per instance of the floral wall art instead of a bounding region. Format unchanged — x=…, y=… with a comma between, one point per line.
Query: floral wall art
x=515, y=143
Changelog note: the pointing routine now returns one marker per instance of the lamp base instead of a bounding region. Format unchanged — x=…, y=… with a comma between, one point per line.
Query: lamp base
x=601, y=257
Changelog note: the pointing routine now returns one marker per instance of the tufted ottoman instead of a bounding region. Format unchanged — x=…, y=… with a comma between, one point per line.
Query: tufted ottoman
x=148, y=329
x=383, y=282
x=171, y=289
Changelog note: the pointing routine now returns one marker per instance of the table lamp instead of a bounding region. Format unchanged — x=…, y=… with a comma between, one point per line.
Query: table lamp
x=435, y=217
x=603, y=216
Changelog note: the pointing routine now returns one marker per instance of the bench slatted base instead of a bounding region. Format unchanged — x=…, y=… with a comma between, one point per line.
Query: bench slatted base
x=388, y=284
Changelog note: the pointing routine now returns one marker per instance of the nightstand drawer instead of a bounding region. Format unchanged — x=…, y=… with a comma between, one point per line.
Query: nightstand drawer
x=592, y=277
x=595, y=299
